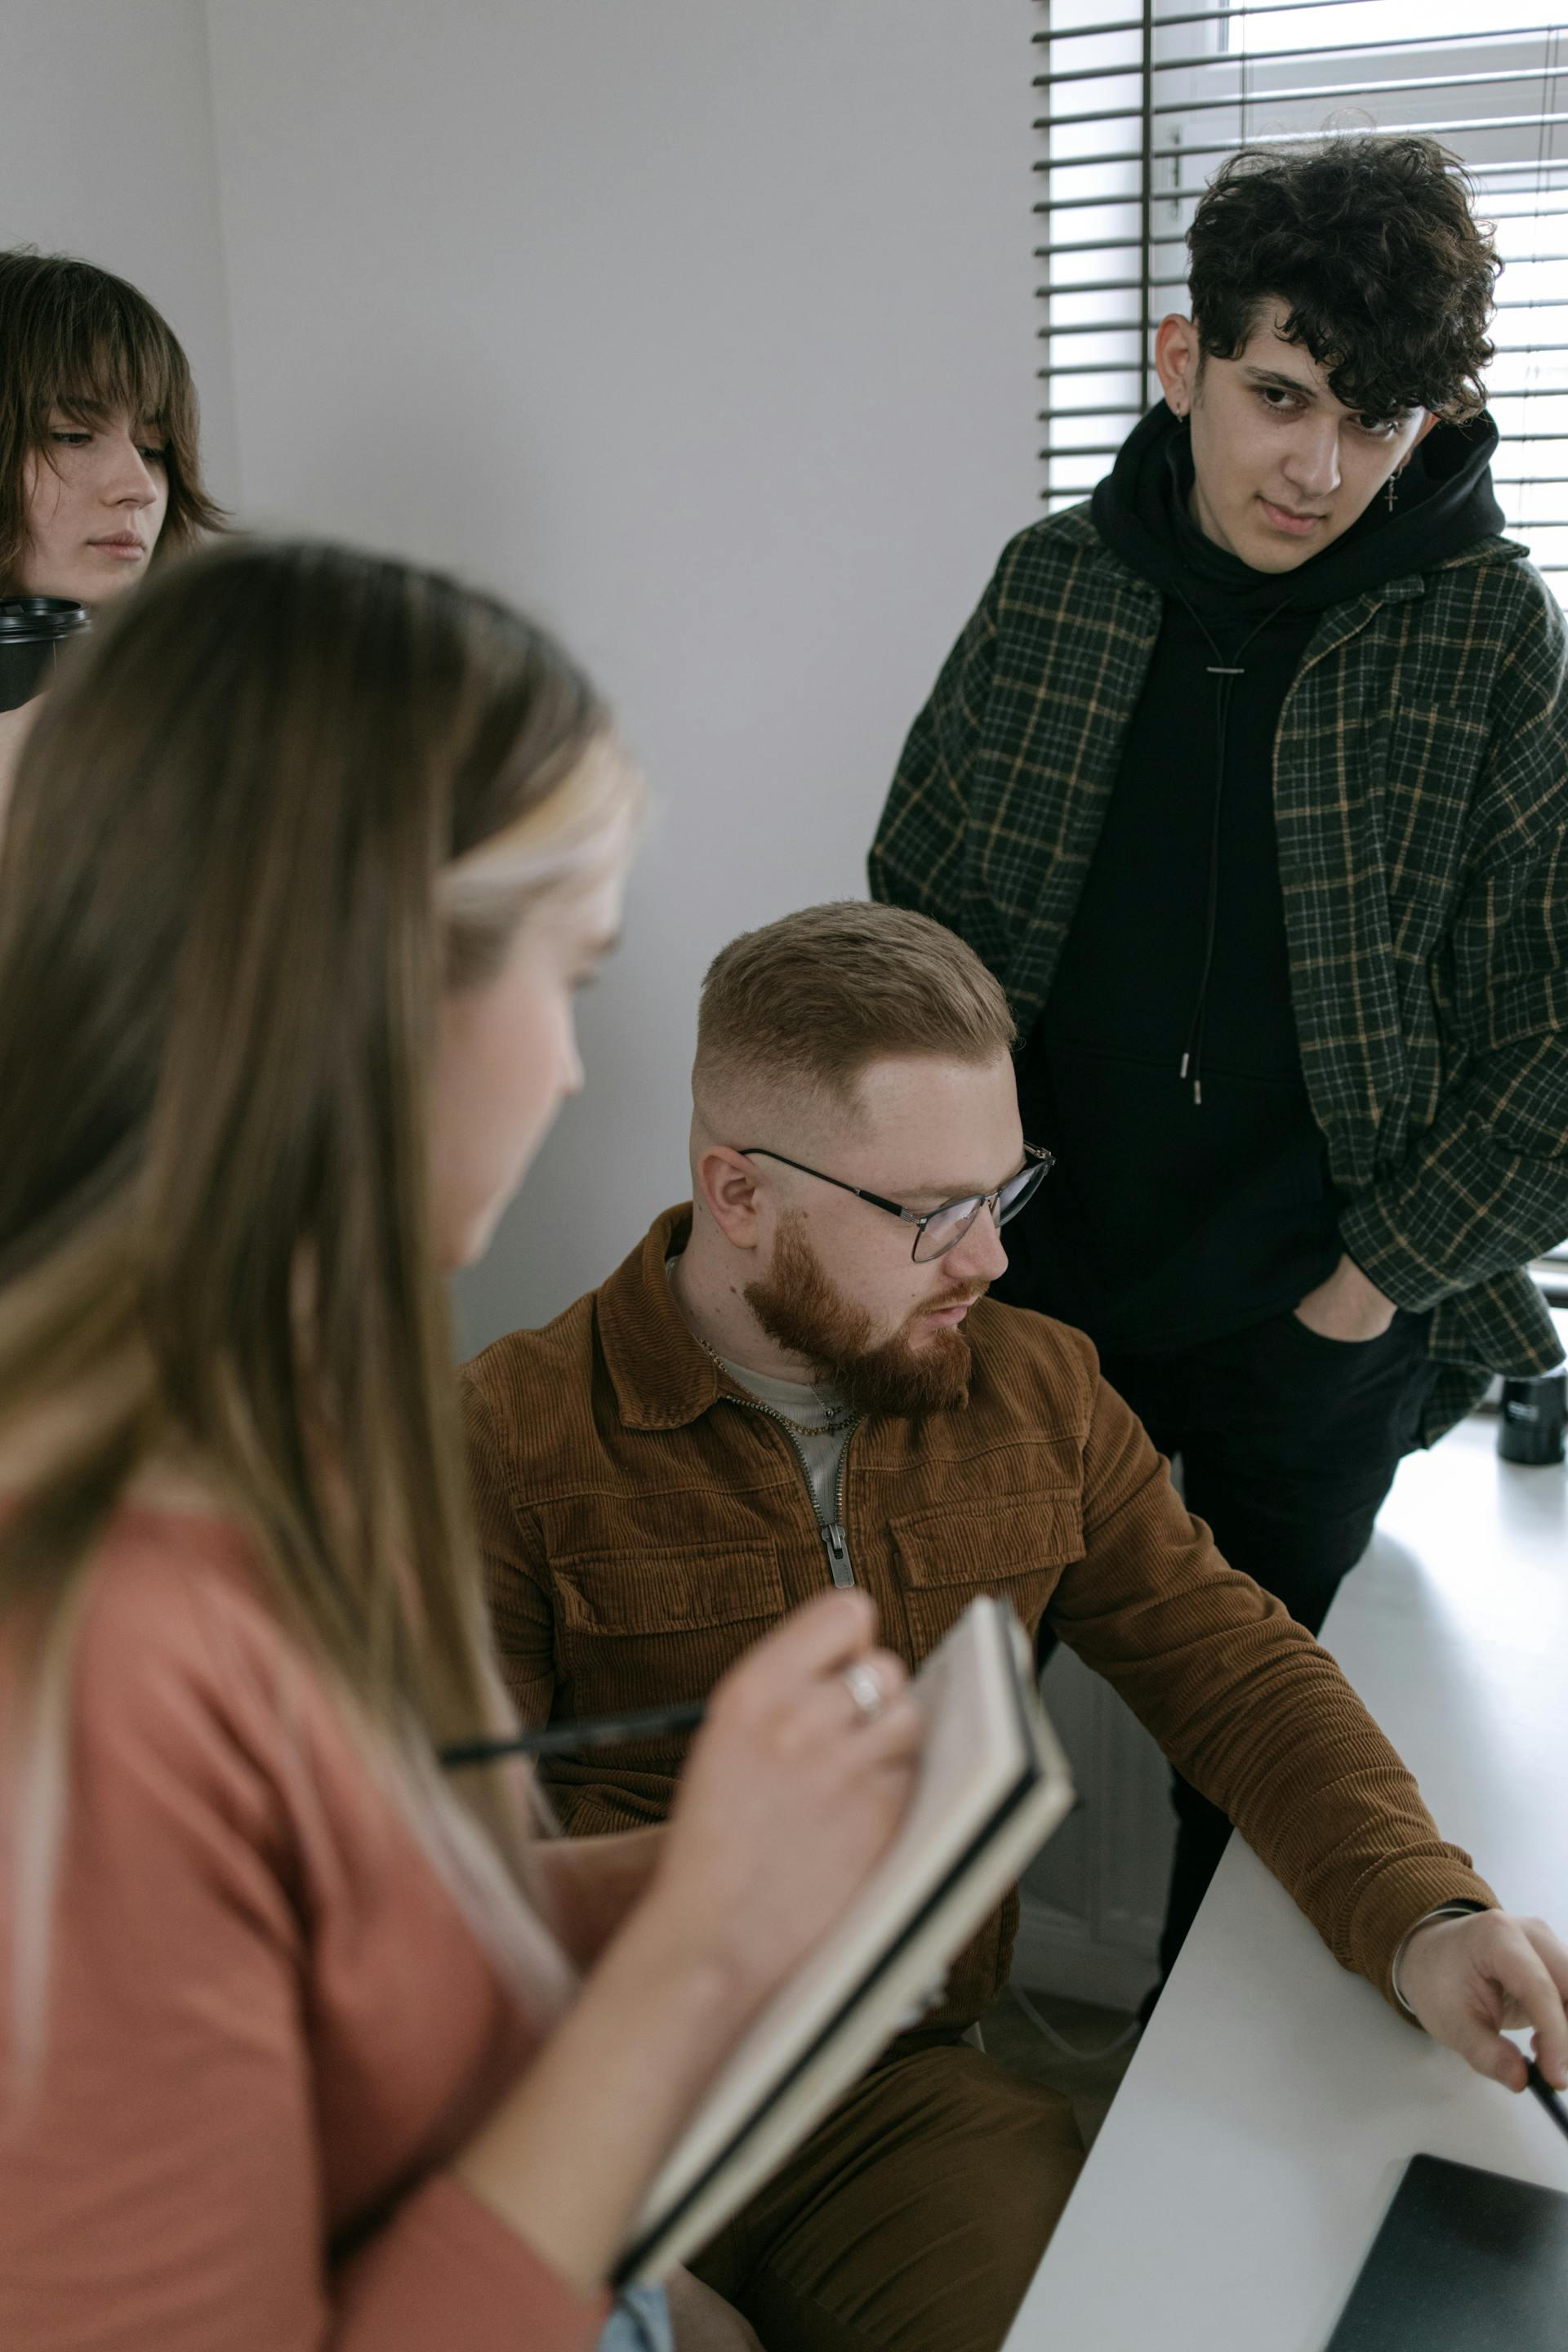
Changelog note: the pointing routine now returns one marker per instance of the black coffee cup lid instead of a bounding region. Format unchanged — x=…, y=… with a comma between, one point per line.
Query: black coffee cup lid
x=32, y=617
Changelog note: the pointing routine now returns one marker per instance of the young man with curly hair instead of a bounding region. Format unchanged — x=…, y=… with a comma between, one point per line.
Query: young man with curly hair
x=1249, y=778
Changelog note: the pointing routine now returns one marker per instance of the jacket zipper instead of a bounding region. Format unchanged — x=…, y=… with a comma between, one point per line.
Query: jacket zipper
x=833, y=1540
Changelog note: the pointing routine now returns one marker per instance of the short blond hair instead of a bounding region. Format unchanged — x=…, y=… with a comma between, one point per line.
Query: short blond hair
x=813, y=1000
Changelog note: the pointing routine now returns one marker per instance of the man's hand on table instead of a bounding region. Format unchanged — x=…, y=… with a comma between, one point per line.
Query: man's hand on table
x=1467, y=1979
x=1349, y=1306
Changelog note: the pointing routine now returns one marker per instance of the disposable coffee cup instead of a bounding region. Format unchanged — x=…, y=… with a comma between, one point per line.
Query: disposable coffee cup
x=34, y=632
x=1533, y=1414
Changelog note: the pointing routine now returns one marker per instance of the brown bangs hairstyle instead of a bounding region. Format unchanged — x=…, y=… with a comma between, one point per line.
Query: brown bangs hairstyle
x=72, y=337
x=289, y=794
x=809, y=1002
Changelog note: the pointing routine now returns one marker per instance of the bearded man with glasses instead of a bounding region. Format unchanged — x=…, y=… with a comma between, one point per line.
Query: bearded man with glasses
x=797, y=1378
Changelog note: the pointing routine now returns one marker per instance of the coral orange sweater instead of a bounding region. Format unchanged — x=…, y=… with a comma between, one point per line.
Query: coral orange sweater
x=268, y=2024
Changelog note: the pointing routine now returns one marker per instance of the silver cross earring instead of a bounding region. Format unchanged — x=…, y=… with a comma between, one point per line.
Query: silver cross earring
x=1394, y=487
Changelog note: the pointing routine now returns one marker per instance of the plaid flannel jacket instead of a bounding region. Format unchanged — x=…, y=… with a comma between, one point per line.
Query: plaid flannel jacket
x=1420, y=805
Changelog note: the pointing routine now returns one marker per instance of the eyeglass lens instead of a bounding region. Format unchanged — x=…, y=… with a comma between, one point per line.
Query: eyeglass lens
x=947, y=1228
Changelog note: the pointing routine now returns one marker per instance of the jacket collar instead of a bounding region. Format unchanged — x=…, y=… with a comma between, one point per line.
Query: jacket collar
x=662, y=1378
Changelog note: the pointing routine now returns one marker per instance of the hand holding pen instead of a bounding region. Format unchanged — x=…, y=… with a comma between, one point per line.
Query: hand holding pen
x=1536, y=2081
x=579, y=1738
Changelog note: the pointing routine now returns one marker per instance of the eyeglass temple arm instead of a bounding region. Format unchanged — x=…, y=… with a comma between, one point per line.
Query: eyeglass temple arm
x=895, y=1208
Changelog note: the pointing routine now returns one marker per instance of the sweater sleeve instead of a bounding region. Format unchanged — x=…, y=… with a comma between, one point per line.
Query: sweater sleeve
x=161, y=2165
x=1249, y=1707
x=449, y=2272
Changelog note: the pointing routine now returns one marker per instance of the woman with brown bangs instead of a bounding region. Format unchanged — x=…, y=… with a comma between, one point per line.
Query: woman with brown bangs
x=305, y=2042
x=99, y=442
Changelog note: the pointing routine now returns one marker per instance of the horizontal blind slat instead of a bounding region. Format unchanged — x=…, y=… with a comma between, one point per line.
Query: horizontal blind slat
x=1306, y=96
x=1154, y=104
x=1198, y=17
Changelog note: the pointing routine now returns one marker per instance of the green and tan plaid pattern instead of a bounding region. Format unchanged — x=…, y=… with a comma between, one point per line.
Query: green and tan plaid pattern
x=1420, y=803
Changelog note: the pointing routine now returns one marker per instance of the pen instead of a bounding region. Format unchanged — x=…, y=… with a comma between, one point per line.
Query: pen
x=577, y=1738
x=1547, y=2097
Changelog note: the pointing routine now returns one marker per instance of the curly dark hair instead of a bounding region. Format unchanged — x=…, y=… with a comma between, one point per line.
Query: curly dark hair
x=1370, y=242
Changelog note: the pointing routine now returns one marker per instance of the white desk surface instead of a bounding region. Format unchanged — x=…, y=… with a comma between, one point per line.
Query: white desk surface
x=1252, y=2149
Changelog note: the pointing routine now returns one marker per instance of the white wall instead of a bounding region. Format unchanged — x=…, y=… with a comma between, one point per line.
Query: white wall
x=106, y=152
x=706, y=331
x=704, y=328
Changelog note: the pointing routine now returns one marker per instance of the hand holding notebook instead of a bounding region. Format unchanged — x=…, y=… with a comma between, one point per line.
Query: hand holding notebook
x=992, y=1785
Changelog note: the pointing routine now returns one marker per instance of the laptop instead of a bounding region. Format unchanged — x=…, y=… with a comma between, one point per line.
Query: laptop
x=1466, y=2261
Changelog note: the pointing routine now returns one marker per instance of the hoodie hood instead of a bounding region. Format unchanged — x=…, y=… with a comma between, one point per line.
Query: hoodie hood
x=1446, y=502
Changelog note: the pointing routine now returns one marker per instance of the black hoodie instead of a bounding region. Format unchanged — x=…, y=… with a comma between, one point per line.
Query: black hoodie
x=1187, y=1205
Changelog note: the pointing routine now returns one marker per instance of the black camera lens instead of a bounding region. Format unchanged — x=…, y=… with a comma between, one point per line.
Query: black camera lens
x=33, y=629
x=1533, y=1413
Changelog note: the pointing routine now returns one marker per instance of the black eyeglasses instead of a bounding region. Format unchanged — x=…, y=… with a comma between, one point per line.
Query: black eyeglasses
x=942, y=1229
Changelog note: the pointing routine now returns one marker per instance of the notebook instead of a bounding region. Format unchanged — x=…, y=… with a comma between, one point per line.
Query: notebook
x=1466, y=2261
x=992, y=1785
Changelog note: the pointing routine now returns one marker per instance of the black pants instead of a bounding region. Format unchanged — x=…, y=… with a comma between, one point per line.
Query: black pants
x=1289, y=1445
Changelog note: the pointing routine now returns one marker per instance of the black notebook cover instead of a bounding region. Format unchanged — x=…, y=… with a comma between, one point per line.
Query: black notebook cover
x=1465, y=2262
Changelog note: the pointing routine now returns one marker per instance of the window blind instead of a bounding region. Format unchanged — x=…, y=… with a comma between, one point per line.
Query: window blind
x=1138, y=110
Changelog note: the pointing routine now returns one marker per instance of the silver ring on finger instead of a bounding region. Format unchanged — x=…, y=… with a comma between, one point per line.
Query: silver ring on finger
x=861, y=1683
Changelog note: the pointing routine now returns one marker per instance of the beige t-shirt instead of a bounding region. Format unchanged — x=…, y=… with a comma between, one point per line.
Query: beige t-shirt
x=823, y=1428
x=823, y=1424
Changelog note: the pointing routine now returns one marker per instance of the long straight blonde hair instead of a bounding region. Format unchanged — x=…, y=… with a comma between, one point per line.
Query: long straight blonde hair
x=238, y=872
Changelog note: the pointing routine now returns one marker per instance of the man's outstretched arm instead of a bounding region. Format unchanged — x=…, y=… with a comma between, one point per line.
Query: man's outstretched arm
x=1467, y=1979
x=1257, y=1717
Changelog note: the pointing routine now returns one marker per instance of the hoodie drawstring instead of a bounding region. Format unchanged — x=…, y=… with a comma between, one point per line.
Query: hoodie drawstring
x=1224, y=675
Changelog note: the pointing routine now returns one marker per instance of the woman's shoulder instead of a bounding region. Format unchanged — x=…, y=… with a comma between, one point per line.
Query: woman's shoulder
x=186, y=1692
x=175, y=1600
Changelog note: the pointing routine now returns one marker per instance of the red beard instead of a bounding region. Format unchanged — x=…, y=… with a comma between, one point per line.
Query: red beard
x=800, y=1307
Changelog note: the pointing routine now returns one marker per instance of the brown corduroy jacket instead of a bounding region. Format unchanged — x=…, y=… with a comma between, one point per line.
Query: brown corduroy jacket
x=644, y=1522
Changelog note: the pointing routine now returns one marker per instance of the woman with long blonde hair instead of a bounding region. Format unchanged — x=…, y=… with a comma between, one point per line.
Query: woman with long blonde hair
x=303, y=2040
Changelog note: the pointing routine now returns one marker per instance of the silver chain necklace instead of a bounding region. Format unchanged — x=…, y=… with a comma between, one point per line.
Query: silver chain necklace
x=839, y=1416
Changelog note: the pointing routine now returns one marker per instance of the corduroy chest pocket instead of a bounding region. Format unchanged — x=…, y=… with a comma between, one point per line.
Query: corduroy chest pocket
x=642, y=1628
x=1016, y=1549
